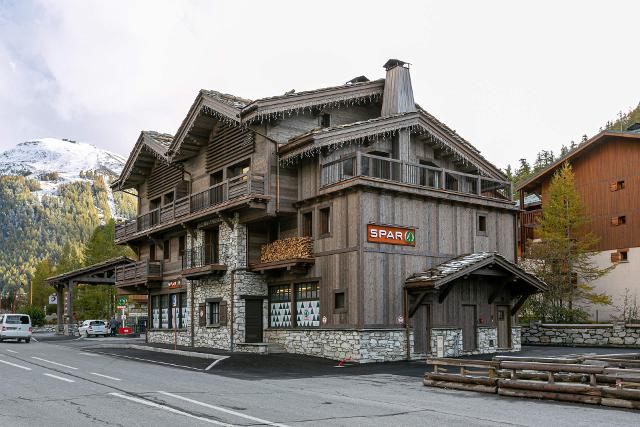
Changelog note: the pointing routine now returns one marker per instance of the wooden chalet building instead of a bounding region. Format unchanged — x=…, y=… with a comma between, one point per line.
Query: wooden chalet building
x=606, y=176
x=303, y=222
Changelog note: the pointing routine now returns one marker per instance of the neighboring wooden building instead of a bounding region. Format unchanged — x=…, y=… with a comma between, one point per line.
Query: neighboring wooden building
x=379, y=187
x=606, y=175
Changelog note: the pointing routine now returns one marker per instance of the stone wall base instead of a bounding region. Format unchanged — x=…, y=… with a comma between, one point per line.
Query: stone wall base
x=167, y=337
x=357, y=345
x=603, y=335
x=448, y=342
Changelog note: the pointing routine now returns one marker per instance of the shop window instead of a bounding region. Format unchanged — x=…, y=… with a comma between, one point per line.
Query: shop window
x=617, y=186
x=155, y=312
x=618, y=220
x=307, y=305
x=164, y=311
x=166, y=250
x=339, y=301
x=169, y=311
x=280, y=306
x=325, y=120
x=482, y=225
x=213, y=313
x=325, y=221
x=183, y=311
x=307, y=224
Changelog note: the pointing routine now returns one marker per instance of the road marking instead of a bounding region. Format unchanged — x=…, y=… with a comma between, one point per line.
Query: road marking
x=167, y=408
x=53, y=363
x=13, y=364
x=105, y=376
x=150, y=360
x=88, y=354
x=225, y=410
x=60, y=378
x=11, y=351
x=215, y=362
x=34, y=338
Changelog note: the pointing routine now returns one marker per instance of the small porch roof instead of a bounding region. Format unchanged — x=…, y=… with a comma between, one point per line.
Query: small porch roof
x=464, y=265
x=101, y=273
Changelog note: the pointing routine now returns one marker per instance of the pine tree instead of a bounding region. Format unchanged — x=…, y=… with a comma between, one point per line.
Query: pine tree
x=562, y=257
x=40, y=288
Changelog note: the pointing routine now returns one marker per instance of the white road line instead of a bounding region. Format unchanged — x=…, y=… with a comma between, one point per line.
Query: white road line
x=151, y=360
x=53, y=363
x=34, y=338
x=13, y=364
x=11, y=351
x=167, y=408
x=60, y=378
x=89, y=354
x=225, y=410
x=105, y=376
x=215, y=362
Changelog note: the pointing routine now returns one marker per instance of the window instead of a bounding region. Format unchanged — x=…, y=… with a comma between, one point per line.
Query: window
x=213, y=313
x=325, y=120
x=215, y=178
x=164, y=311
x=239, y=168
x=166, y=250
x=280, y=306
x=482, y=225
x=616, y=186
x=168, y=198
x=169, y=311
x=152, y=252
x=154, y=204
x=307, y=224
x=339, y=300
x=181, y=245
x=621, y=255
x=325, y=221
x=618, y=220
x=307, y=305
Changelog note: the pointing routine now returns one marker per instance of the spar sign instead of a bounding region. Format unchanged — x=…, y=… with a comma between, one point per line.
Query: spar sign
x=391, y=235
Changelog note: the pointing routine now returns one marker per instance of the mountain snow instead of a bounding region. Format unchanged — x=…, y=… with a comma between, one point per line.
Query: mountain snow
x=66, y=157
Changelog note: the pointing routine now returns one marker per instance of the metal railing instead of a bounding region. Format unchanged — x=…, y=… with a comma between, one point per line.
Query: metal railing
x=232, y=188
x=200, y=256
x=358, y=164
x=141, y=270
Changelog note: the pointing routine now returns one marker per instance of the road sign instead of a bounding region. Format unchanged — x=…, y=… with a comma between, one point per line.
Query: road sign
x=121, y=307
x=122, y=301
x=53, y=299
x=174, y=300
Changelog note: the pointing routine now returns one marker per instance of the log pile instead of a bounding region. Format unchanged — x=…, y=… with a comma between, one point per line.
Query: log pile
x=285, y=249
x=611, y=380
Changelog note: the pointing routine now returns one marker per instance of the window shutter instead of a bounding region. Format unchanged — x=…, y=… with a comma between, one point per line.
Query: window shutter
x=202, y=315
x=614, y=221
x=615, y=256
x=613, y=186
x=223, y=313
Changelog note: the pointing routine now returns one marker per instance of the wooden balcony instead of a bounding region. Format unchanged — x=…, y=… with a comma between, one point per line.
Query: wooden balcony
x=530, y=218
x=138, y=273
x=182, y=209
x=201, y=260
x=393, y=170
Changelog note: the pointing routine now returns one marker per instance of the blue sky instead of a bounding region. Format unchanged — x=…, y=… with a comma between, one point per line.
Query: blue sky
x=512, y=77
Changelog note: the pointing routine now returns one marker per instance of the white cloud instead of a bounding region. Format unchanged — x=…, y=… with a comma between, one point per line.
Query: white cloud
x=512, y=78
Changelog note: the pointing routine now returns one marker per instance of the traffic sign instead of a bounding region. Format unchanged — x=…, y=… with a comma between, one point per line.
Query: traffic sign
x=53, y=299
x=122, y=301
x=121, y=307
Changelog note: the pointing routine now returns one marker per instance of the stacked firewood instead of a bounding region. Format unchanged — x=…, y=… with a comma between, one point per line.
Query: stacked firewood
x=293, y=247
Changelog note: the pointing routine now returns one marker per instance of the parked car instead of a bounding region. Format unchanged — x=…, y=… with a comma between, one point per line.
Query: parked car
x=93, y=328
x=15, y=327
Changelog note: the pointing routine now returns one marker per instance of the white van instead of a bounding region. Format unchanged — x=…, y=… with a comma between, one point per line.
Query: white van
x=15, y=327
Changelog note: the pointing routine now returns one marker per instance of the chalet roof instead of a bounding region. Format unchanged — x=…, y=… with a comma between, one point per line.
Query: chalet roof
x=91, y=269
x=602, y=137
x=150, y=146
x=419, y=122
x=466, y=264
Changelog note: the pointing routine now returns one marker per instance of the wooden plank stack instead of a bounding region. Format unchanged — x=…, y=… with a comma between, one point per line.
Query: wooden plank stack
x=286, y=249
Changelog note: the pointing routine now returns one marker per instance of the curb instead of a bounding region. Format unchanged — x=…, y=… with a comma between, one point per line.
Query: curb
x=159, y=350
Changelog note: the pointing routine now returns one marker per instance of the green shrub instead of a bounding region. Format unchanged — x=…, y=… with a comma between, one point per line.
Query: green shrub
x=36, y=314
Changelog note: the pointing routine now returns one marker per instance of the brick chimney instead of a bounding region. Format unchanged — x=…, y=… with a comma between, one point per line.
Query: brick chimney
x=398, y=93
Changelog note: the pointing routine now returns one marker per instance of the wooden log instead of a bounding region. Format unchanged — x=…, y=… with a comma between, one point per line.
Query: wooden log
x=620, y=403
x=573, y=360
x=550, y=387
x=283, y=249
x=462, y=379
x=621, y=393
x=445, y=361
x=460, y=386
x=552, y=367
x=564, y=397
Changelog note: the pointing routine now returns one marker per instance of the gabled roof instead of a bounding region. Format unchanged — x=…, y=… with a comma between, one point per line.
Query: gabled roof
x=602, y=137
x=419, y=122
x=150, y=146
x=98, y=268
x=463, y=265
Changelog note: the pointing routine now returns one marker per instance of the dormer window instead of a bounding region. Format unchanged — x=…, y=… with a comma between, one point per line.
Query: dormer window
x=325, y=120
x=617, y=186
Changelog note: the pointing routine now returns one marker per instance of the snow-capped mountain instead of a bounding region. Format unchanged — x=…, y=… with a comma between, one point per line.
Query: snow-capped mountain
x=66, y=157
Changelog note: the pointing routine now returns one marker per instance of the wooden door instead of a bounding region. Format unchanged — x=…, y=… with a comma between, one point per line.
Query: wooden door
x=422, y=330
x=503, y=318
x=253, y=320
x=210, y=249
x=468, y=319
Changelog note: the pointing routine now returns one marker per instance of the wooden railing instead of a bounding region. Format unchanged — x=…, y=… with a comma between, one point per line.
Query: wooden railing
x=358, y=164
x=232, y=188
x=142, y=270
x=530, y=218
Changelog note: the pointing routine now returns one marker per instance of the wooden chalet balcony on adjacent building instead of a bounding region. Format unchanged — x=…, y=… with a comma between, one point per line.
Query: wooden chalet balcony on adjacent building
x=180, y=209
x=138, y=272
x=393, y=170
x=530, y=218
x=201, y=260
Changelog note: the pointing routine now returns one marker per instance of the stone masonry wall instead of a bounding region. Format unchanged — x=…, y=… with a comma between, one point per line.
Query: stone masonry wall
x=606, y=335
x=359, y=345
x=486, y=341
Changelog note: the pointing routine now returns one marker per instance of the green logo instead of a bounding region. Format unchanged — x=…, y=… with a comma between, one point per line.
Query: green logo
x=122, y=300
x=409, y=237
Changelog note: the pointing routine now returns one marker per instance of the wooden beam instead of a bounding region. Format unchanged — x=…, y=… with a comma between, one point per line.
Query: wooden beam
x=416, y=305
x=519, y=303
x=489, y=272
x=445, y=291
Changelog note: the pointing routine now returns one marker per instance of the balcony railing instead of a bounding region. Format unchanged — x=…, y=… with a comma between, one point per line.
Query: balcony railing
x=200, y=256
x=230, y=189
x=530, y=218
x=394, y=170
x=138, y=271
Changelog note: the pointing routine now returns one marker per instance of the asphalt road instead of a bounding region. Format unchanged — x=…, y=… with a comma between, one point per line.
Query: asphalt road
x=62, y=383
